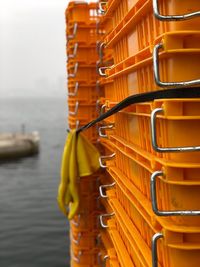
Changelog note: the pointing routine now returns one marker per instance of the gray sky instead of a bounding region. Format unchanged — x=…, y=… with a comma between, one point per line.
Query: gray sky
x=32, y=47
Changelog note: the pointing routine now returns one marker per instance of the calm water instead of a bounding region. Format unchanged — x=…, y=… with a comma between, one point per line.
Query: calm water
x=33, y=233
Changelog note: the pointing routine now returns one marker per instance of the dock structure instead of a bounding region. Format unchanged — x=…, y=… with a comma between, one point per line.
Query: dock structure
x=17, y=145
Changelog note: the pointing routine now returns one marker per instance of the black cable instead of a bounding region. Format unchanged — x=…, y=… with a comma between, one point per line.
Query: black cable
x=193, y=92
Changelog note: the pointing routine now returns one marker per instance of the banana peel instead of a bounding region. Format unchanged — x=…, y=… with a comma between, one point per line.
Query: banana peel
x=80, y=158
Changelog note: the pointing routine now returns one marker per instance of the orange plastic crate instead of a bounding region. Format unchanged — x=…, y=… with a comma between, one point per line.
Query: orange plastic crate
x=81, y=12
x=83, y=240
x=174, y=62
x=143, y=25
x=179, y=245
x=82, y=53
x=83, y=34
x=84, y=257
x=166, y=128
x=81, y=73
x=85, y=222
x=82, y=93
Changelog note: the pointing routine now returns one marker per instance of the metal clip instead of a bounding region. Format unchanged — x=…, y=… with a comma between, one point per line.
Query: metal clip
x=101, y=4
x=109, y=157
x=166, y=149
x=76, y=241
x=78, y=257
x=74, y=51
x=108, y=126
x=73, y=75
x=166, y=213
x=172, y=17
x=101, y=187
x=75, y=90
x=103, y=107
x=101, y=47
x=73, y=35
x=74, y=113
x=102, y=71
x=154, y=249
x=103, y=225
x=77, y=224
x=157, y=72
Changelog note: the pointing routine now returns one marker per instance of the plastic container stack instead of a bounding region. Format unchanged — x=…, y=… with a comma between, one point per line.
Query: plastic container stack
x=81, y=64
x=151, y=196
x=81, y=19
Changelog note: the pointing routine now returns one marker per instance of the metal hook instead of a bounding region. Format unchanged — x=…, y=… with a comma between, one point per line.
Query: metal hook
x=74, y=93
x=73, y=75
x=101, y=187
x=172, y=17
x=76, y=241
x=155, y=205
x=105, y=127
x=109, y=157
x=166, y=149
x=102, y=71
x=101, y=217
x=101, y=4
x=157, y=72
x=74, y=51
x=155, y=239
x=78, y=257
x=77, y=224
x=73, y=35
x=74, y=113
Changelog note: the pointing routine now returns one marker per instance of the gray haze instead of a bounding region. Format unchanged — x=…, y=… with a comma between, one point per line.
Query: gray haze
x=32, y=48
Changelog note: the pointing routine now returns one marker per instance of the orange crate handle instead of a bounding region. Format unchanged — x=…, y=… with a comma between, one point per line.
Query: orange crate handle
x=101, y=5
x=101, y=187
x=155, y=239
x=166, y=149
x=102, y=158
x=157, y=72
x=101, y=219
x=75, y=92
x=155, y=205
x=75, y=112
x=108, y=126
x=73, y=75
x=73, y=35
x=172, y=17
x=74, y=51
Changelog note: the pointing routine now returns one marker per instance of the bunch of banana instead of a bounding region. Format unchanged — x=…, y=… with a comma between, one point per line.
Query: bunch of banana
x=80, y=158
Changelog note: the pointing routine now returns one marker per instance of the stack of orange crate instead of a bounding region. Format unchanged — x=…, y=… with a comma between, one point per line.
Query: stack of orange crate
x=152, y=153
x=81, y=19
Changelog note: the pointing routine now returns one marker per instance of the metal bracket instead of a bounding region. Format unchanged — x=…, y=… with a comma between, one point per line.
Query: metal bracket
x=101, y=217
x=108, y=126
x=166, y=149
x=74, y=113
x=77, y=224
x=109, y=157
x=157, y=72
x=76, y=241
x=101, y=47
x=73, y=35
x=74, y=51
x=73, y=75
x=155, y=205
x=102, y=71
x=172, y=17
x=75, y=92
x=78, y=257
x=101, y=187
x=101, y=4
x=154, y=241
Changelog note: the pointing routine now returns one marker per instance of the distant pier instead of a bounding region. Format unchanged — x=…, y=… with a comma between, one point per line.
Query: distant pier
x=18, y=145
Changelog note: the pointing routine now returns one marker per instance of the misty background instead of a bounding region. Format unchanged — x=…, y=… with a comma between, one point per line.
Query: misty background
x=32, y=48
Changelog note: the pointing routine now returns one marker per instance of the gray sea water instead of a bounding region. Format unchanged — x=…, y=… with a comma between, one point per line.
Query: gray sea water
x=33, y=232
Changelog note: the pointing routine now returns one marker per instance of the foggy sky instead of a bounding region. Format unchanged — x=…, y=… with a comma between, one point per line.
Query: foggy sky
x=32, y=47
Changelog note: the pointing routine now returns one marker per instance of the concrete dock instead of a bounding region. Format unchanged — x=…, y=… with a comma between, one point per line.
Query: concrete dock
x=18, y=145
